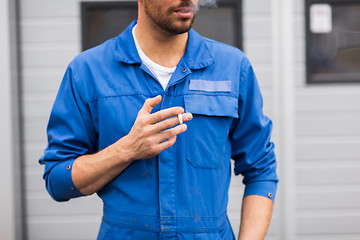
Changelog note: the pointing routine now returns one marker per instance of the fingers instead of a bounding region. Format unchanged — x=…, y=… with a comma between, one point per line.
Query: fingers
x=161, y=124
x=171, y=122
x=165, y=113
x=167, y=144
x=153, y=133
x=150, y=103
x=169, y=134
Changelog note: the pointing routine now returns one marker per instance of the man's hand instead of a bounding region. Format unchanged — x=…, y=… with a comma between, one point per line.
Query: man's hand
x=153, y=133
x=150, y=135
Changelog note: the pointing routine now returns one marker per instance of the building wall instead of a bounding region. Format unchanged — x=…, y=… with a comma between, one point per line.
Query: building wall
x=328, y=152
x=7, y=140
x=50, y=39
x=327, y=134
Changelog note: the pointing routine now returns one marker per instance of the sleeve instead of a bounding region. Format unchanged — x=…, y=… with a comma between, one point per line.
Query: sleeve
x=252, y=149
x=70, y=135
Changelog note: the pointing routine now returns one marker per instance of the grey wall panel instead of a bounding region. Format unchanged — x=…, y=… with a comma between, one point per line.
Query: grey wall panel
x=259, y=52
x=53, y=30
x=49, y=9
x=299, y=54
x=258, y=7
x=34, y=180
x=49, y=54
x=325, y=175
x=332, y=101
x=299, y=30
x=42, y=80
x=328, y=114
x=256, y=27
x=38, y=105
x=328, y=153
x=327, y=150
x=41, y=204
x=263, y=72
x=328, y=222
x=329, y=237
x=328, y=126
x=83, y=227
x=34, y=130
x=328, y=197
x=299, y=7
x=32, y=153
x=299, y=74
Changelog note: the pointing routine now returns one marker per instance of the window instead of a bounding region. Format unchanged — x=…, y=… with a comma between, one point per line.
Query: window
x=105, y=20
x=333, y=41
x=101, y=21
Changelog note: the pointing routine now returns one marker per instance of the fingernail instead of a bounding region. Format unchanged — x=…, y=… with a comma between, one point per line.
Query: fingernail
x=180, y=110
x=189, y=116
x=184, y=126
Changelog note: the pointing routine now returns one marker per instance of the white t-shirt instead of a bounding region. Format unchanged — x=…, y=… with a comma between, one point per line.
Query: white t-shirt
x=162, y=74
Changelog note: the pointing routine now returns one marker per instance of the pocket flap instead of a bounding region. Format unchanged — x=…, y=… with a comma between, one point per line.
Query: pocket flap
x=212, y=105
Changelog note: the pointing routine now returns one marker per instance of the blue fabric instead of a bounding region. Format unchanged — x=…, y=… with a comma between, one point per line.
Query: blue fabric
x=183, y=192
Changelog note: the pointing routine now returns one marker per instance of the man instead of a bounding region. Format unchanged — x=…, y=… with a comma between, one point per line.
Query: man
x=149, y=121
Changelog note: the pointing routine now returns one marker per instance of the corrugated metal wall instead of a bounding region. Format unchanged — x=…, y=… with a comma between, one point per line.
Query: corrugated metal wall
x=327, y=139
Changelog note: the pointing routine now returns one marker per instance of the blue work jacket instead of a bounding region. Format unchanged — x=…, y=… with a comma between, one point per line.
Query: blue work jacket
x=183, y=192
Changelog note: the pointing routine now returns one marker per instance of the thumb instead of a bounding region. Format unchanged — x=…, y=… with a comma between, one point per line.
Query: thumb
x=150, y=103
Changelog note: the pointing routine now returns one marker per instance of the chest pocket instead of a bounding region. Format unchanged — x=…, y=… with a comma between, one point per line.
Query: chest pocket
x=209, y=129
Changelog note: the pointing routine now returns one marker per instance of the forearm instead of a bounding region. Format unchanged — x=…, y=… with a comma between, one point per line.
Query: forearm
x=255, y=217
x=91, y=173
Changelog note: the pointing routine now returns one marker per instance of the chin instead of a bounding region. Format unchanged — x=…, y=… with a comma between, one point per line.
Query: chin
x=182, y=27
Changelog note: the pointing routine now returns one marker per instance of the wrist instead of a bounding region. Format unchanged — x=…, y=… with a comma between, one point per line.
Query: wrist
x=123, y=151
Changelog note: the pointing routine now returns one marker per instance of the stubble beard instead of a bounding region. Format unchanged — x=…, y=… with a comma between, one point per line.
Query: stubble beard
x=166, y=23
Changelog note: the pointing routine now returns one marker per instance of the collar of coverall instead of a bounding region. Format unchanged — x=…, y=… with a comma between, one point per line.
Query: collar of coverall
x=197, y=54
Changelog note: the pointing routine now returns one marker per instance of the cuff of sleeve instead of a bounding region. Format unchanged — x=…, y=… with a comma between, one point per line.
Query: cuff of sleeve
x=262, y=188
x=60, y=184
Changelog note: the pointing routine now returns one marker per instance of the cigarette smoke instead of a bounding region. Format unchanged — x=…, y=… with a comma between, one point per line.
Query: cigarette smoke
x=207, y=3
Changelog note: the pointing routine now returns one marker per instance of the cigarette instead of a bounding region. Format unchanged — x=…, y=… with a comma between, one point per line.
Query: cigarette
x=180, y=118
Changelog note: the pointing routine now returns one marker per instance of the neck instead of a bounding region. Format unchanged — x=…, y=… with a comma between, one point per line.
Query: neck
x=160, y=46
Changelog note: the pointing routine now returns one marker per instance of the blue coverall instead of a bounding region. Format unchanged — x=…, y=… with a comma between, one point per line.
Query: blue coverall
x=183, y=192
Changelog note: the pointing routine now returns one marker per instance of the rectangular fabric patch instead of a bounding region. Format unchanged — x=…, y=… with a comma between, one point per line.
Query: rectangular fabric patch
x=210, y=86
